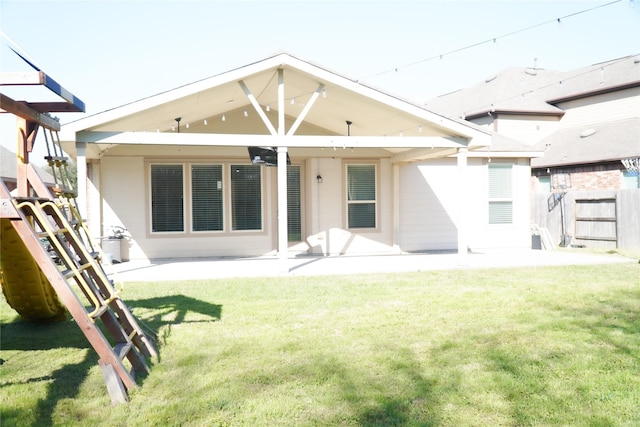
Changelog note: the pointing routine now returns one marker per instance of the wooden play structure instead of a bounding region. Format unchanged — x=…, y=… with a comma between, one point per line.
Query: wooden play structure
x=49, y=264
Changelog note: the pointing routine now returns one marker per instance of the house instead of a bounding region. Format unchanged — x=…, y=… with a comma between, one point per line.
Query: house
x=587, y=122
x=187, y=173
x=8, y=170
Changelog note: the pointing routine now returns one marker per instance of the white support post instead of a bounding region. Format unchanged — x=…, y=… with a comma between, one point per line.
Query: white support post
x=81, y=165
x=396, y=207
x=462, y=206
x=283, y=239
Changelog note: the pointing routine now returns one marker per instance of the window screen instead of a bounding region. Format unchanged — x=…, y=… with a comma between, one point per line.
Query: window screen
x=246, y=197
x=361, y=196
x=167, y=212
x=206, y=198
x=500, y=194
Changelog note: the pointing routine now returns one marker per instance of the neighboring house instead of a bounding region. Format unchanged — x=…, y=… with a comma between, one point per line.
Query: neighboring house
x=8, y=170
x=587, y=122
x=369, y=172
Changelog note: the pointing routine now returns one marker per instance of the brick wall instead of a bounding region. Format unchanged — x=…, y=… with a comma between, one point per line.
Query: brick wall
x=600, y=176
x=596, y=180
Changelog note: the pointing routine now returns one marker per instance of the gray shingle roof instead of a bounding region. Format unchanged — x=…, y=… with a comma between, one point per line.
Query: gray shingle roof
x=528, y=90
x=590, y=144
x=8, y=168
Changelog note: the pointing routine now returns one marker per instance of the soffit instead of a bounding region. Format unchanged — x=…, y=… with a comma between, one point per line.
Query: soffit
x=225, y=97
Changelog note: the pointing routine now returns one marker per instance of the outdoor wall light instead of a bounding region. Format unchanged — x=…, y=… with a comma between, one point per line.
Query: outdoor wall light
x=319, y=179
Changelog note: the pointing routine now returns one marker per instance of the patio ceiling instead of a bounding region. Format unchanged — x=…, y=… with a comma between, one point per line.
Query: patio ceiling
x=222, y=106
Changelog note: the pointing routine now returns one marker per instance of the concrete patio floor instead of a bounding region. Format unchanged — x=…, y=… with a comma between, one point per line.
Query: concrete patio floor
x=213, y=268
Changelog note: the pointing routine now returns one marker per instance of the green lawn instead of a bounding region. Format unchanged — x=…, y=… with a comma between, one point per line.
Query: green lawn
x=515, y=347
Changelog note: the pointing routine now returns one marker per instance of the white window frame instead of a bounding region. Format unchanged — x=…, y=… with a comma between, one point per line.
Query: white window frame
x=500, y=196
x=187, y=194
x=375, y=201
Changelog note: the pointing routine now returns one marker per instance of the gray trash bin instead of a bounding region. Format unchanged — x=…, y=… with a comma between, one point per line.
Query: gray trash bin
x=112, y=248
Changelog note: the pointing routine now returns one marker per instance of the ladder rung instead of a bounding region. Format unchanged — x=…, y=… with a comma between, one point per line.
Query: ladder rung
x=122, y=349
x=31, y=199
x=60, y=159
x=99, y=311
x=71, y=273
x=67, y=192
x=59, y=231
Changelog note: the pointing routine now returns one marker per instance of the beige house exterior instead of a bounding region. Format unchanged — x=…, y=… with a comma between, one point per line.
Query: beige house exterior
x=585, y=120
x=587, y=123
x=369, y=173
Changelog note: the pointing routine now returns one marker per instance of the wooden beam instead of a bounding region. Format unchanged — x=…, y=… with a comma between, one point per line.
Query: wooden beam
x=47, y=81
x=53, y=107
x=22, y=110
x=28, y=78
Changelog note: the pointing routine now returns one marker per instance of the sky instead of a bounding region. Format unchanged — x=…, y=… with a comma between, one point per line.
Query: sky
x=109, y=53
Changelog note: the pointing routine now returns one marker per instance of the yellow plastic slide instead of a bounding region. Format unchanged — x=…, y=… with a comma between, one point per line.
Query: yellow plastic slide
x=25, y=287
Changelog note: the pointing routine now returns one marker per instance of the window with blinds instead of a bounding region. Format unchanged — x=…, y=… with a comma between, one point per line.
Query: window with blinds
x=246, y=197
x=294, y=214
x=206, y=198
x=361, y=196
x=500, y=194
x=167, y=198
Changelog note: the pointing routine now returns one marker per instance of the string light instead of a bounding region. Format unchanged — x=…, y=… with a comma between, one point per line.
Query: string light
x=224, y=118
x=491, y=40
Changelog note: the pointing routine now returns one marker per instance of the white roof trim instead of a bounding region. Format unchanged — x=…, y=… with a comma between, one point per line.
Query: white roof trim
x=326, y=77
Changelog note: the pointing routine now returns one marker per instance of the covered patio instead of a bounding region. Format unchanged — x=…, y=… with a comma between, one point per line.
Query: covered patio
x=302, y=112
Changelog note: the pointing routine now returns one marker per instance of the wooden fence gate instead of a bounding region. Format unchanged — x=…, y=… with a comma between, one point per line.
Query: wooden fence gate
x=596, y=223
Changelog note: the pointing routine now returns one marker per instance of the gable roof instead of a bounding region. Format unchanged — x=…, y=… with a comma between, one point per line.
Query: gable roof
x=246, y=101
x=538, y=91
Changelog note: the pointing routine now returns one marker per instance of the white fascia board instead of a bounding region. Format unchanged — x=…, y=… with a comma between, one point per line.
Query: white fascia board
x=418, y=154
x=228, y=140
x=505, y=154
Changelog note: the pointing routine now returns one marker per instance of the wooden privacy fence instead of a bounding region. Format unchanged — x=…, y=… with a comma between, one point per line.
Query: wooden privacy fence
x=608, y=219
